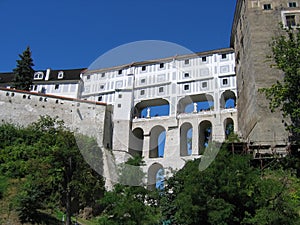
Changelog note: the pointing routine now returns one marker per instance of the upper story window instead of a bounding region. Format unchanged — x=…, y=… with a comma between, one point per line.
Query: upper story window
x=143, y=81
x=120, y=72
x=161, y=89
x=203, y=59
x=204, y=85
x=161, y=65
x=60, y=75
x=224, y=56
x=290, y=20
x=292, y=4
x=186, y=75
x=142, y=92
x=225, y=82
x=267, y=7
x=88, y=77
x=38, y=76
x=143, y=68
x=186, y=87
x=102, y=74
x=187, y=61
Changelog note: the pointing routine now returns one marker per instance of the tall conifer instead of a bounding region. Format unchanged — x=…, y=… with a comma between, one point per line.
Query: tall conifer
x=24, y=71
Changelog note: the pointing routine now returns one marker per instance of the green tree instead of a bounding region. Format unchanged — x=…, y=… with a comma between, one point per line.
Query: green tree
x=24, y=71
x=130, y=205
x=45, y=155
x=229, y=191
x=284, y=94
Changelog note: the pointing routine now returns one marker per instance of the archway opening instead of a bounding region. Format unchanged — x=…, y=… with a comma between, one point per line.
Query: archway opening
x=186, y=140
x=228, y=127
x=205, y=135
x=155, y=177
x=136, y=141
x=152, y=108
x=228, y=100
x=157, y=142
x=195, y=103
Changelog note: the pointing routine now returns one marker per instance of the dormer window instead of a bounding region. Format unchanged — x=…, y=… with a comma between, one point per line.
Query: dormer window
x=60, y=75
x=38, y=76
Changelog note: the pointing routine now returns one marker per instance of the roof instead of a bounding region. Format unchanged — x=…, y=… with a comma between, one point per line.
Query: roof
x=70, y=74
x=6, y=78
x=163, y=60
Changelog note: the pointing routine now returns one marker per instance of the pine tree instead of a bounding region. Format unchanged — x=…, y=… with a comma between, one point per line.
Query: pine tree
x=24, y=71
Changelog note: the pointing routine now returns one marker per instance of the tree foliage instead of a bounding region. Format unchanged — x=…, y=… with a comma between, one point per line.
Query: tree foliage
x=130, y=205
x=284, y=94
x=229, y=191
x=24, y=71
x=45, y=155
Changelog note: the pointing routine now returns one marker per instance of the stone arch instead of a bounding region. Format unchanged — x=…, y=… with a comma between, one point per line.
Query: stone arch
x=186, y=134
x=228, y=127
x=228, y=100
x=136, y=141
x=157, y=142
x=195, y=103
x=155, y=176
x=205, y=134
x=151, y=108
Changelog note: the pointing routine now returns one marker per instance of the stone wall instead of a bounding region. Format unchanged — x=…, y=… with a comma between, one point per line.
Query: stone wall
x=23, y=108
x=252, y=33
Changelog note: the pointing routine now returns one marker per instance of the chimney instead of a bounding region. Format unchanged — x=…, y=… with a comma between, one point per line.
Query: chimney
x=47, y=74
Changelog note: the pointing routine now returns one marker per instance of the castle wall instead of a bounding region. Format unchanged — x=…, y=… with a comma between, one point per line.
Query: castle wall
x=253, y=29
x=23, y=108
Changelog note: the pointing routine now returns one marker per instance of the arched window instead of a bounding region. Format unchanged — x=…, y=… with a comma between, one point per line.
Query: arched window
x=228, y=100
x=136, y=139
x=186, y=134
x=205, y=134
x=157, y=142
x=155, y=176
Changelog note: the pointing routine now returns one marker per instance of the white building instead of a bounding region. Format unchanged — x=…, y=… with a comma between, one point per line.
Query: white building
x=64, y=83
x=167, y=109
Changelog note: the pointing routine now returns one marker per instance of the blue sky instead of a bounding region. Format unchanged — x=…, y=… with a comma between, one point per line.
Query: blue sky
x=65, y=34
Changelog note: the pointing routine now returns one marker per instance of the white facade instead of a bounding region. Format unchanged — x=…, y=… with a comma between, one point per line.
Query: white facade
x=184, y=99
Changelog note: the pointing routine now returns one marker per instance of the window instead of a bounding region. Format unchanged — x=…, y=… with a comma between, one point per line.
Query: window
x=100, y=98
x=186, y=75
x=143, y=81
x=204, y=84
x=187, y=61
x=120, y=72
x=225, y=82
x=142, y=92
x=267, y=7
x=38, y=76
x=120, y=96
x=88, y=77
x=102, y=74
x=186, y=87
x=56, y=86
x=161, y=89
x=35, y=87
x=290, y=20
x=119, y=105
x=143, y=68
x=203, y=59
x=101, y=86
x=161, y=65
x=292, y=4
x=60, y=75
x=224, y=56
